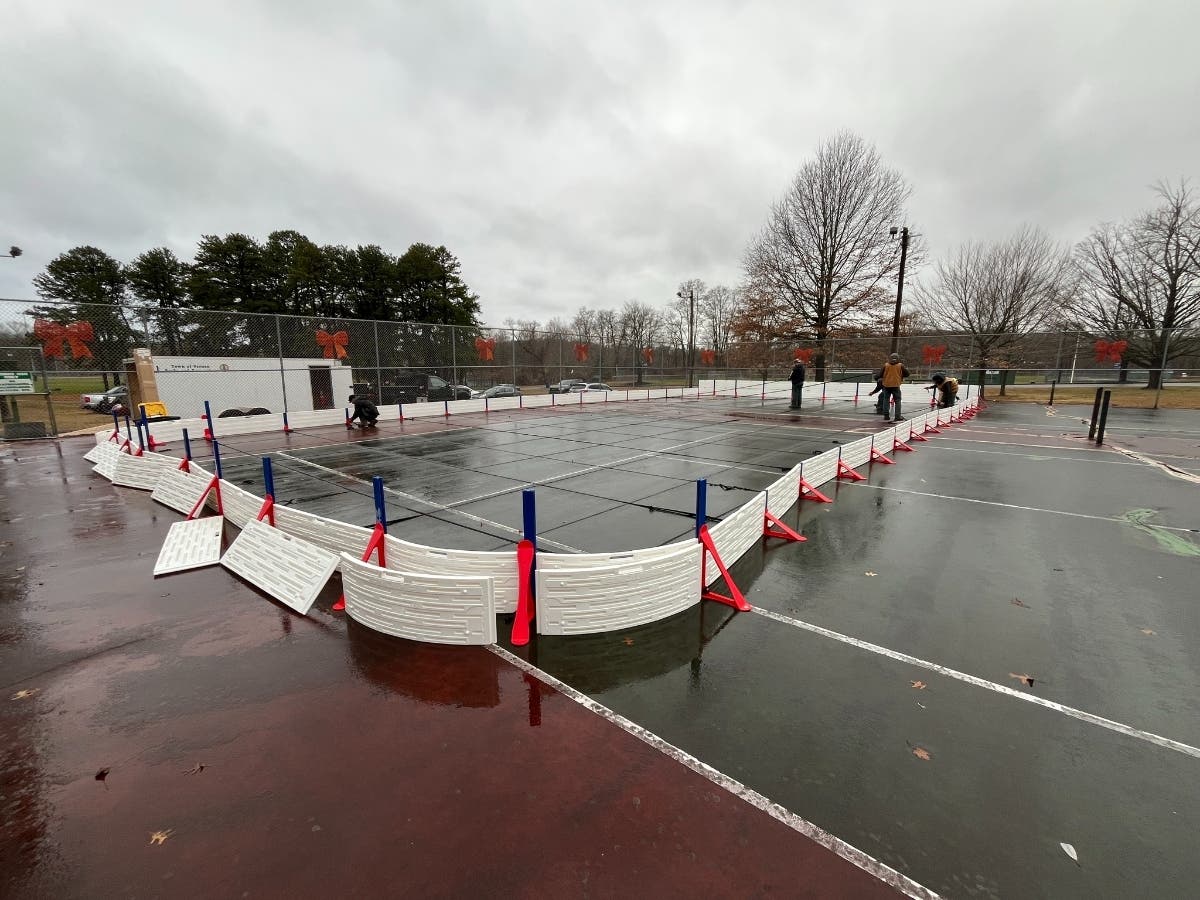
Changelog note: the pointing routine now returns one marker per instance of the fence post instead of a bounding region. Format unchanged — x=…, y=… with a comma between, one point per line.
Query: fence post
x=1095, y=413
x=454, y=360
x=378, y=365
x=41, y=357
x=282, y=374
x=514, y=355
x=1103, y=418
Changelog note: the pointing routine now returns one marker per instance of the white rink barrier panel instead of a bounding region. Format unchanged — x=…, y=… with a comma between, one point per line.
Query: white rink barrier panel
x=289, y=569
x=737, y=533
x=329, y=534
x=142, y=472
x=856, y=453
x=238, y=505
x=820, y=469
x=498, y=565
x=628, y=589
x=191, y=544
x=180, y=490
x=439, y=609
x=784, y=493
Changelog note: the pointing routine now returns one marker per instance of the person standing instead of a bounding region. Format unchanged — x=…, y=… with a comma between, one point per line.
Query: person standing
x=797, y=380
x=894, y=374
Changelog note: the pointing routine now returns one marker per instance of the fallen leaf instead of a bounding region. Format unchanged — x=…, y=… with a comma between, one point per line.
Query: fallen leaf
x=1070, y=851
x=919, y=685
x=869, y=574
x=1026, y=680
x=921, y=753
x=160, y=837
x=922, y=705
x=1017, y=601
x=102, y=774
x=196, y=769
x=21, y=695
x=628, y=642
x=1149, y=631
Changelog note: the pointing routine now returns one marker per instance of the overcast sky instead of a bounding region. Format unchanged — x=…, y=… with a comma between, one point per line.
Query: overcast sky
x=572, y=153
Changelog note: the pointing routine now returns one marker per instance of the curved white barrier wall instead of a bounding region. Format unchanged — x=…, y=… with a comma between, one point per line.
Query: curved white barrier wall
x=591, y=592
x=435, y=608
x=498, y=565
x=737, y=533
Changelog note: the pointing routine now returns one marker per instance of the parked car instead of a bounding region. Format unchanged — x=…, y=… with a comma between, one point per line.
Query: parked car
x=412, y=387
x=105, y=401
x=502, y=390
x=590, y=387
x=566, y=385
x=466, y=393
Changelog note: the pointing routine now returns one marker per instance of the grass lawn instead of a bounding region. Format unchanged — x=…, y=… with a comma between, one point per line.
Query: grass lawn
x=1175, y=396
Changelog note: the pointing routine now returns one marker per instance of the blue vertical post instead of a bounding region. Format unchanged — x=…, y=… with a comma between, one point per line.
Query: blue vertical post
x=187, y=446
x=141, y=440
x=116, y=423
x=701, y=504
x=268, y=477
x=128, y=429
x=529, y=515
x=217, y=457
x=380, y=505
x=208, y=415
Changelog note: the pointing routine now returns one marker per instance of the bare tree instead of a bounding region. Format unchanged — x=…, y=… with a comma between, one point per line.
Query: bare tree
x=641, y=324
x=1141, y=280
x=825, y=247
x=608, y=333
x=715, y=310
x=998, y=291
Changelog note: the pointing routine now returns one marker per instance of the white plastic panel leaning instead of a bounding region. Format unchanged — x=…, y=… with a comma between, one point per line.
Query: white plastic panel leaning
x=737, y=533
x=143, y=472
x=191, y=544
x=332, y=535
x=181, y=490
x=783, y=493
x=440, y=609
x=856, y=453
x=623, y=593
x=289, y=569
x=498, y=565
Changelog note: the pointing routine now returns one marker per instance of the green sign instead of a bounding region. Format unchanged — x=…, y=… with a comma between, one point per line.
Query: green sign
x=16, y=383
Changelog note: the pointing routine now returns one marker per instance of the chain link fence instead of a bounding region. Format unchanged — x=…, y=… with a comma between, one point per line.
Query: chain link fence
x=80, y=359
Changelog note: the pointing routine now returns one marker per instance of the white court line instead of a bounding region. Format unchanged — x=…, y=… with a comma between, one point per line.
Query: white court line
x=1087, y=448
x=1161, y=466
x=438, y=506
x=1056, y=512
x=940, y=445
x=1090, y=718
x=848, y=852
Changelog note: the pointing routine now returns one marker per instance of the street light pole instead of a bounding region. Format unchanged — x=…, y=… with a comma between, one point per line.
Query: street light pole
x=899, y=285
x=691, y=347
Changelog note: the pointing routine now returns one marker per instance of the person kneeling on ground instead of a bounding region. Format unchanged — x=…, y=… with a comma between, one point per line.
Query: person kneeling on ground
x=797, y=380
x=364, y=410
x=947, y=390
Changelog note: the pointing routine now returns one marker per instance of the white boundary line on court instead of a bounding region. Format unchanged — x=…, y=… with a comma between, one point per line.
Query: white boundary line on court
x=940, y=445
x=1161, y=466
x=1090, y=718
x=848, y=852
x=1056, y=512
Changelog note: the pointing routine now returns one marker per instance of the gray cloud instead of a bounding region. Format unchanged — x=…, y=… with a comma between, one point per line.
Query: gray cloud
x=572, y=154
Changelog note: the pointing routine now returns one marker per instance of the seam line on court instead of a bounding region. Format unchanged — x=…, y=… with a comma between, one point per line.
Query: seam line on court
x=1057, y=512
x=816, y=833
x=1091, y=718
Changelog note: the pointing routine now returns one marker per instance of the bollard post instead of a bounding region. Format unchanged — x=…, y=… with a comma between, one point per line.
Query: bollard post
x=529, y=515
x=268, y=477
x=380, y=505
x=187, y=446
x=217, y=457
x=1053, y=385
x=210, y=433
x=128, y=429
x=1095, y=413
x=701, y=504
x=1103, y=418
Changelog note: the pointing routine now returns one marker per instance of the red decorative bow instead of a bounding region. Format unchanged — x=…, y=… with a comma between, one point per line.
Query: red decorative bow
x=933, y=355
x=648, y=355
x=486, y=348
x=805, y=356
x=581, y=352
x=1110, y=352
x=708, y=357
x=334, y=344
x=56, y=338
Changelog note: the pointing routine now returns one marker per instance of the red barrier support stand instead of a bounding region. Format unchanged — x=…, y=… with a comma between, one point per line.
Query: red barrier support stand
x=400, y=409
x=876, y=456
x=267, y=511
x=214, y=486
x=525, y=609
x=784, y=532
x=929, y=429
x=898, y=444
x=844, y=471
x=375, y=544
x=349, y=424
x=287, y=429
x=808, y=492
x=736, y=599
x=446, y=408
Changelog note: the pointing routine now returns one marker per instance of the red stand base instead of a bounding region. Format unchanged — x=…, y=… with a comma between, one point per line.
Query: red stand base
x=267, y=511
x=808, y=492
x=916, y=436
x=782, y=531
x=929, y=429
x=375, y=544
x=844, y=471
x=735, y=598
x=525, y=610
x=898, y=444
x=876, y=456
x=214, y=486
x=208, y=435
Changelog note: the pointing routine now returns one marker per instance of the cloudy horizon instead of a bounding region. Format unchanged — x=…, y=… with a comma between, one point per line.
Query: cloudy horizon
x=572, y=154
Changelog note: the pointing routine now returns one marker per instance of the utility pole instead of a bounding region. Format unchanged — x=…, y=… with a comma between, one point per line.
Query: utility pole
x=691, y=347
x=899, y=284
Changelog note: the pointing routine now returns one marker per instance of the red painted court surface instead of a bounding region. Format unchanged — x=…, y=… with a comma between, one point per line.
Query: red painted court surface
x=247, y=751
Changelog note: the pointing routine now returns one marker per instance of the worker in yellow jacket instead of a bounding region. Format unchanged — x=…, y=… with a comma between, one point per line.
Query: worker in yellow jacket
x=893, y=374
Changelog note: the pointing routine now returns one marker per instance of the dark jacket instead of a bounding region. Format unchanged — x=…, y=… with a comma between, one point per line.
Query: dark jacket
x=365, y=410
x=798, y=374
